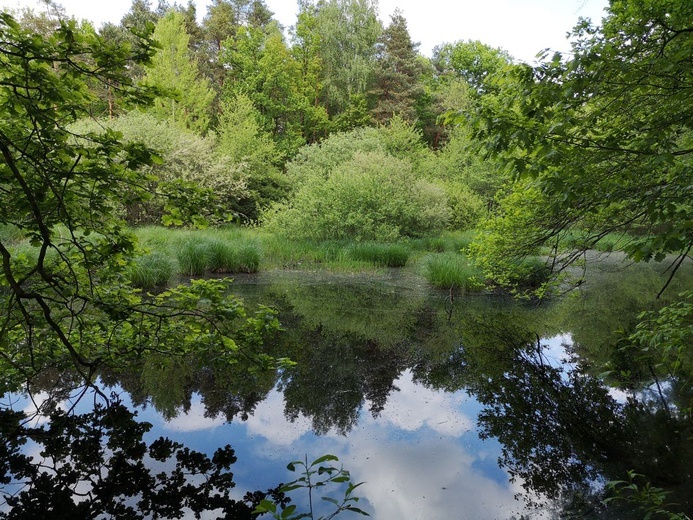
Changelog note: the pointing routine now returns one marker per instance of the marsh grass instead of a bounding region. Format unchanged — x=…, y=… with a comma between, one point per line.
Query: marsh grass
x=229, y=257
x=452, y=270
x=196, y=253
x=281, y=253
x=454, y=241
x=10, y=234
x=152, y=270
x=382, y=255
x=608, y=243
x=193, y=256
x=236, y=249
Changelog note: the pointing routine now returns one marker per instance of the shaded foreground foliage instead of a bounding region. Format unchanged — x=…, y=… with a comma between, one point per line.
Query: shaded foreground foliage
x=98, y=463
x=69, y=304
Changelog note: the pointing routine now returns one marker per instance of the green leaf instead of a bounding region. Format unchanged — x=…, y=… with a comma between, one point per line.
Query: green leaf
x=323, y=459
x=266, y=506
x=288, y=511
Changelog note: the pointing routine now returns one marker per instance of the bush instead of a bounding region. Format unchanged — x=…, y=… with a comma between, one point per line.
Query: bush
x=373, y=196
x=466, y=207
x=187, y=159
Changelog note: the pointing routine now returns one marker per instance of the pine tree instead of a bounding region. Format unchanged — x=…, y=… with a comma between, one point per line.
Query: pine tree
x=398, y=72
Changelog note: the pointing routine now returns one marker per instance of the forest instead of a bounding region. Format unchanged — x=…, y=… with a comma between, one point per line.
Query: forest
x=190, y=146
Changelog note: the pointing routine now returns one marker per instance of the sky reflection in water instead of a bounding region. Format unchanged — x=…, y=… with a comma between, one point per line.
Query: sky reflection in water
x=421, y=458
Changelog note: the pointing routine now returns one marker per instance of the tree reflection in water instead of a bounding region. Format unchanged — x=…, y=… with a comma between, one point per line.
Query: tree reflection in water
x=60, y=463
x=563, y=430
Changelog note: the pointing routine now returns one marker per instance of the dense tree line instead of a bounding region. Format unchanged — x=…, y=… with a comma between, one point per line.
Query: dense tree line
x=244, y=95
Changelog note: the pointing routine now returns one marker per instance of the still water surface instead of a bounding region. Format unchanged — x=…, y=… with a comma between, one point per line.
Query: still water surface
x=446, y=405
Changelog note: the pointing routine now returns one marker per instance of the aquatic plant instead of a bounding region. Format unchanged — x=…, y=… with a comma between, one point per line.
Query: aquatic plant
x=453, y=270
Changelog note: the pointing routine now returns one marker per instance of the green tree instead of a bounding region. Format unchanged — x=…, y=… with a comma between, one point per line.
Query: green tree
x=601, y=141
x=261, y=66
x=222, y=22
x=397, y=78
x=63, y=295
x=242, y=142
x=347, y=33
x=175, y=70
x=306, y=51
x=472, y=61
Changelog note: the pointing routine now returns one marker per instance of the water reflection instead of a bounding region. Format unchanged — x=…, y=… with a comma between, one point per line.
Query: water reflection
x=444, y=414
x=60, y=461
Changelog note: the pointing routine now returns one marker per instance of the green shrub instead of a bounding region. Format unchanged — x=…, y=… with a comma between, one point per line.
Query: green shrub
x=466, y=207
x=530, y=273
x=374, y=197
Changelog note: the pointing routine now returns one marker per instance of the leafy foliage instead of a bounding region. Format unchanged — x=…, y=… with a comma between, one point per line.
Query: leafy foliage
x=175, y=70
x=241, y=141
x=664, y=337
x=371, y=197
x=315, y=475
x=189, y=183
x=472, y=61
x=649, y=499
x=602, y=138
x=347, y=31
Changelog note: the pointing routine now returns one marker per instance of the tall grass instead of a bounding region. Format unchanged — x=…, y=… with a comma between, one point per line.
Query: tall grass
x=234, y=249
x=227, y=257
x=193, y=253
x=10, y=234
x=452, y=270
x=152, y=270
x=383, y=255
x=454, y=241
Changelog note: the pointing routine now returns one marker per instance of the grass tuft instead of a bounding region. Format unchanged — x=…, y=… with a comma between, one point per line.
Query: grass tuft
x=383, y=255
x=151, y=270
x=452, y=270
x=192, y=256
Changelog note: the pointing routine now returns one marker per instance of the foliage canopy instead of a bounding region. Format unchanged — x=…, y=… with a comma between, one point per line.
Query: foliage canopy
x=601, y=140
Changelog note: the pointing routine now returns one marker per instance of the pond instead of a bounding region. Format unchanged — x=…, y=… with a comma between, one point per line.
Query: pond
x=445, y=405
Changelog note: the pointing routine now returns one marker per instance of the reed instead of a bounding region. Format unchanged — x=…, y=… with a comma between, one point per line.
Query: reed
x=382, y=255
x=229, y=257
x=151, y=270
x=452, y=270
x=454, y=241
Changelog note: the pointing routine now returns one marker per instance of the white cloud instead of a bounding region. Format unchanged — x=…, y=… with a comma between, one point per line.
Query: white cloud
x=269, y=421
x=432, y=479
x=193, y=420
x=415, y=406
